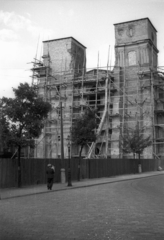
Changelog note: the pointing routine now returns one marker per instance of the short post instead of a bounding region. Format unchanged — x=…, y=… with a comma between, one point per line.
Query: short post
x=69, y=162
x=139, y=165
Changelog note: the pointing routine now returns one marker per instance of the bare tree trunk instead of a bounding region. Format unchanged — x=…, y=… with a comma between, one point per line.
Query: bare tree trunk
x=19, y=166
x=139, y=163
x=79, y=163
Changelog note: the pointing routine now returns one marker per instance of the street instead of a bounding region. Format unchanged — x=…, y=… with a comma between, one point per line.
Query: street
x=124, y=210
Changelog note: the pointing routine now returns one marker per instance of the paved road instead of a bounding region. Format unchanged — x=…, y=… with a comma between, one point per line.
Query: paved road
x=117, y=211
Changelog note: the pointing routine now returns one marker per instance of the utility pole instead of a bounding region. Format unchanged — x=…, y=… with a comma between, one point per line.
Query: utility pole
x=63, y=180
x=69, y=162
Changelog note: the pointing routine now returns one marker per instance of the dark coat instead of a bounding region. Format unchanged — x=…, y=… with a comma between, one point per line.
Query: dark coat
x=50, y=172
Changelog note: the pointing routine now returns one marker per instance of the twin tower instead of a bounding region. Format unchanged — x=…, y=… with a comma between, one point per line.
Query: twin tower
x=62, y=77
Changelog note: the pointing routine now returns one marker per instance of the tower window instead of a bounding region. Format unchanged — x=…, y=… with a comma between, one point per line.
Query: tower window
x=130, y=32
x=132, y=58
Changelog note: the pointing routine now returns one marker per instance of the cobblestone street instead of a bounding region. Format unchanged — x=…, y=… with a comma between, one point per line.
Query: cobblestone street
x=122, y=210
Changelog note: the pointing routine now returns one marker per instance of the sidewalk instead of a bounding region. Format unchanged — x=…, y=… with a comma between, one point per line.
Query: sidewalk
x=40, y=189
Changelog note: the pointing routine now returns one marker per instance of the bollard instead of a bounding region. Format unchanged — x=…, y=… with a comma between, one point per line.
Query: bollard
x=63, y=179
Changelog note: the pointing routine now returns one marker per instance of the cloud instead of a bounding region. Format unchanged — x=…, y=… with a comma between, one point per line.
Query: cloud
x=71, y=13
x=28, y=14
x=156, y=1
x=8, y=35
x=17, y=23
x=14, y=21
x=11, y=79
x=38, y=31
x=66, y=13
x=17, y=48
x=15, y=54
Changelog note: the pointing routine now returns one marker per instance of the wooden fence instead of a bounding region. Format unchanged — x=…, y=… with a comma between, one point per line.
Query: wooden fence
x=33, y=170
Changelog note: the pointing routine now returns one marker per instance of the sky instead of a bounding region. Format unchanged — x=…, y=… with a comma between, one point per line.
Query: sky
x=24, y=24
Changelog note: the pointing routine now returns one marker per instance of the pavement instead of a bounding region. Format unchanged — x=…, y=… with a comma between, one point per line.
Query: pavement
x=42, y=188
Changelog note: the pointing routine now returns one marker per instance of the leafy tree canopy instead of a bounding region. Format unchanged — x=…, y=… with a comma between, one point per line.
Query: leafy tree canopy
x=134, y=141
x=83, y=128
x=23, y=116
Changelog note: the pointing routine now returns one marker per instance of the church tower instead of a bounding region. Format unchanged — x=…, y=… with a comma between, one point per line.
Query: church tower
x=136, y=57
x=136, y=43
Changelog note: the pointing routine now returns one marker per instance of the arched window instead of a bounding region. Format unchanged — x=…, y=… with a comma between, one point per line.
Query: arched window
x=132, y=58
x=130, y=32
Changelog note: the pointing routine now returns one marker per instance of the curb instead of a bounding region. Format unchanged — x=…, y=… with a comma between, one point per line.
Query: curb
x=65, y=188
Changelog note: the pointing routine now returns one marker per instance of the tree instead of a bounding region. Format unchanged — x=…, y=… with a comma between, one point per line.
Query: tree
x=23, y=119
x=134, y=141
x=83, y=131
